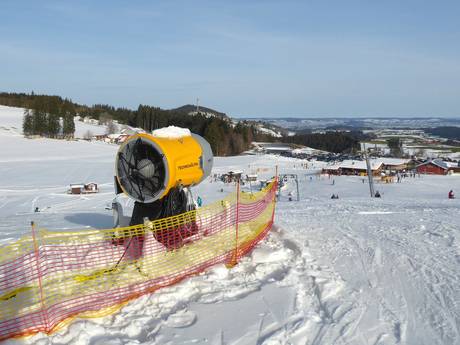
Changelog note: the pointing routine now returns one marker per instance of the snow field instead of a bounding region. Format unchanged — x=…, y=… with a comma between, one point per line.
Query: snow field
x=350, y=271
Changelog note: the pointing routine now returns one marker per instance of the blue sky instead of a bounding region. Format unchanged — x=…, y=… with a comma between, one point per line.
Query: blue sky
x=245, y=58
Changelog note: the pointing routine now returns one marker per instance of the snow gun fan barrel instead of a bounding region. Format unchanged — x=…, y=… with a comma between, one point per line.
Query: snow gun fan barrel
x=147, y=167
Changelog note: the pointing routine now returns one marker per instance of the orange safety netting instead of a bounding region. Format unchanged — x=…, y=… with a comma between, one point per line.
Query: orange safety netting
x=50, y=277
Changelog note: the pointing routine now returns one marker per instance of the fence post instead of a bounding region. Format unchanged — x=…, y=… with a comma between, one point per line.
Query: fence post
x=234, y=260
x=274, y=195
x=40, y=286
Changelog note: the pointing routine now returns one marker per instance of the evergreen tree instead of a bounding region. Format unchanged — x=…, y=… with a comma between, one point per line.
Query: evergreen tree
x=39, y=122
x=213, y=135
x=53, y=125
x=68, y=114
x=27, y=123
x=395, y=146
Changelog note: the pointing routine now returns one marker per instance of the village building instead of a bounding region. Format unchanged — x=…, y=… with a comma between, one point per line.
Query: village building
x=433, y=167
x=273, y=148
x=80, y=188
x=355, y=167
x=453, y=167
x=395, y=164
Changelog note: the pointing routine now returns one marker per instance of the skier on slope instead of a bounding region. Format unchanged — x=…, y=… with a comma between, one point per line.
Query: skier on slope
x=451, y=194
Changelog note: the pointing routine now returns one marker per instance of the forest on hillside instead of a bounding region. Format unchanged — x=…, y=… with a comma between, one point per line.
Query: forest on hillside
x=225, y=137
x=449, y=132
x=337, y=142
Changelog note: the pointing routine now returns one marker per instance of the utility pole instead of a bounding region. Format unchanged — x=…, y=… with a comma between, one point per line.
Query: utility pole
x=297, y=186
x=197, y=105
x=369, y=174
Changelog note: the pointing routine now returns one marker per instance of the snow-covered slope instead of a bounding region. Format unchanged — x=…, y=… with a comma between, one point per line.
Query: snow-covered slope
x=349, y=271
x=11, y=122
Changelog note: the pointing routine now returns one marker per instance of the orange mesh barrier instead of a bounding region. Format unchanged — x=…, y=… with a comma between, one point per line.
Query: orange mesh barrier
x=50, y=277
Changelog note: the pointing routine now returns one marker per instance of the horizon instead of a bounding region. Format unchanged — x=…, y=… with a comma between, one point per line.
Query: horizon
x=263, y=117
x=247, y=59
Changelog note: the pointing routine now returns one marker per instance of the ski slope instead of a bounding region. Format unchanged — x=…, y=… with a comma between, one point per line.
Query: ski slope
x=350, y=271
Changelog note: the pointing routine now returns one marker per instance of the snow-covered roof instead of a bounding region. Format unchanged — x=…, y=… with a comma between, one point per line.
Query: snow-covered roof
x=375, y=163
x=355, y=164
x=452, y=164
x=306, y=150
x=171, y=132
x=129, y=131
x=235, y=172
x=277, y=148
x=437, y=162
x=394, y=161
x=137, y=130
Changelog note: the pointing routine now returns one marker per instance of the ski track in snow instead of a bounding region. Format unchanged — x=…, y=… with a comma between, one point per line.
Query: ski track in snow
x=396, y=269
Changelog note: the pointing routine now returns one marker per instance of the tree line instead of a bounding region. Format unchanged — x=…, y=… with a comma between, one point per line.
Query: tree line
x=338, y=142
x=49, y=116
x=449, y=132
x=43, y=111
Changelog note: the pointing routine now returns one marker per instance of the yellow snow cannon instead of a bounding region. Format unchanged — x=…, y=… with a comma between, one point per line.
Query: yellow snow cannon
x=149, y=166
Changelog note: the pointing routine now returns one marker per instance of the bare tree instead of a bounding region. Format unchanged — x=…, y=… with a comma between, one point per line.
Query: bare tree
x=88, y=135
x=111, y=127
x=105, y=118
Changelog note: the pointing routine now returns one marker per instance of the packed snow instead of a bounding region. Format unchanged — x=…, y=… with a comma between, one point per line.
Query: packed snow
x=352, y=270
x=171, y=132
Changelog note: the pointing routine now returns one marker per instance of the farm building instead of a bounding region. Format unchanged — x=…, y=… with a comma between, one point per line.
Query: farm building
x=433, y=167
x=355, y=167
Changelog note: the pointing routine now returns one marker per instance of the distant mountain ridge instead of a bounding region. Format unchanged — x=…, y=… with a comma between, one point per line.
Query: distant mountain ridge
x=297, y=124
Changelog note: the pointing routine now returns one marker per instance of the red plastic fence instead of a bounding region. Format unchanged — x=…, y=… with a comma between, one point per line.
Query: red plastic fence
x=50, y=277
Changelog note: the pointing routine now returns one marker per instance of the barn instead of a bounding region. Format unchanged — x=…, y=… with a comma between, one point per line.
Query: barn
x=433, y=167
